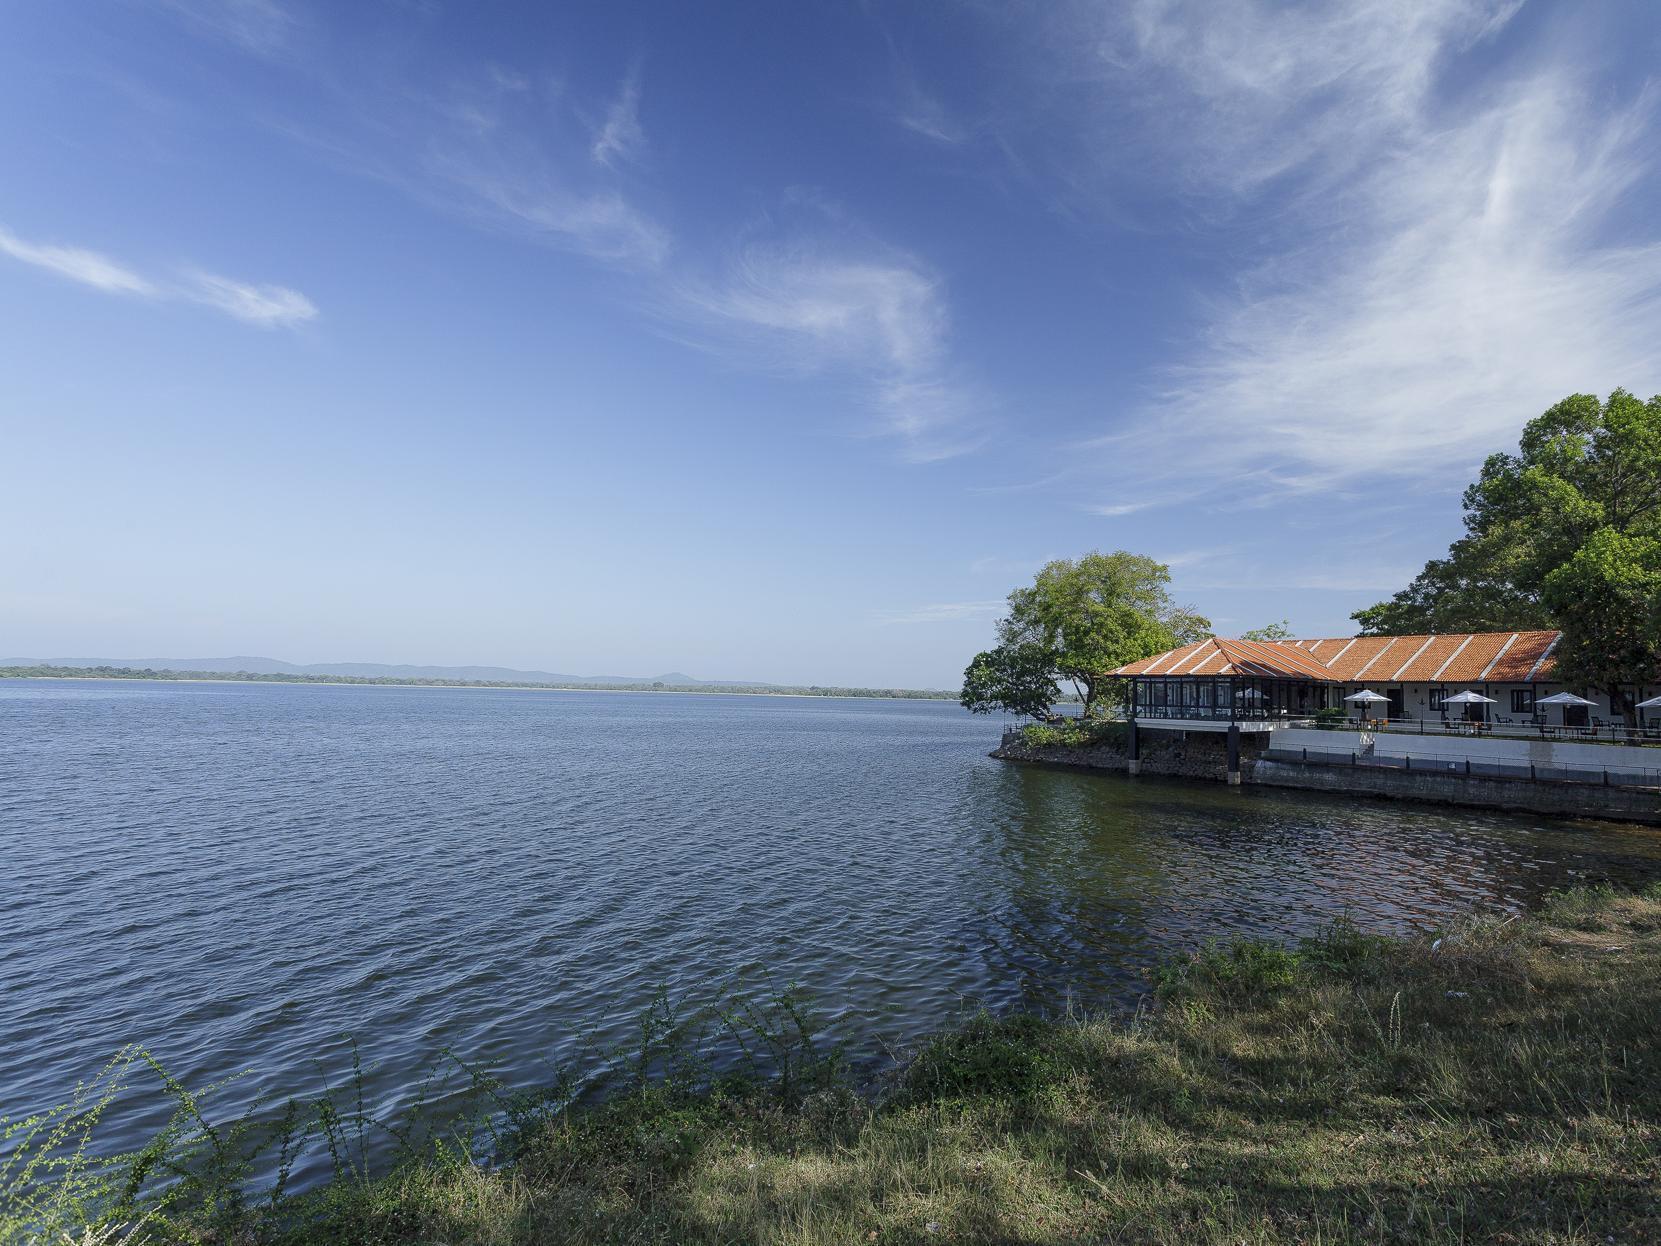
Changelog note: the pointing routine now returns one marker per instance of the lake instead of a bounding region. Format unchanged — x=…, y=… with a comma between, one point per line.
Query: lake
x=236, y=875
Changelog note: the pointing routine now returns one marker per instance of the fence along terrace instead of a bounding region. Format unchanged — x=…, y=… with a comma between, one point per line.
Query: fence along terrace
x=1260, y=685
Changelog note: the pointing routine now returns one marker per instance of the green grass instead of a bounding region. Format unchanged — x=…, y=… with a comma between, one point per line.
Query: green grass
x=1500, y=1082
x=1073, y=733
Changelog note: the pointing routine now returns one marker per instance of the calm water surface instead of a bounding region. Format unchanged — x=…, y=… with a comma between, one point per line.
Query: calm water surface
x=238, y=874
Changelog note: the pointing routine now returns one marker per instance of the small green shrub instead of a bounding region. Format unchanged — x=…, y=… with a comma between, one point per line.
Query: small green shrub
x=989, y=1056
x=1579, y=907
x=1330, y=719
x=1342, y=948
x=1239, y=969
x=1072, y=733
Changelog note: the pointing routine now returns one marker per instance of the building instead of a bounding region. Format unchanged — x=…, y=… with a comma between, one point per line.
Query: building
x=1262, y=684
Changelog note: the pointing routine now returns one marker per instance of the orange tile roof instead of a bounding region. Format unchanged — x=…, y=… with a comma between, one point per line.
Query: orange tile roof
x=1460, y=657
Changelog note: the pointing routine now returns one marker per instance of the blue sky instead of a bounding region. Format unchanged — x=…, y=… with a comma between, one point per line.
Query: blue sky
x=781, y=341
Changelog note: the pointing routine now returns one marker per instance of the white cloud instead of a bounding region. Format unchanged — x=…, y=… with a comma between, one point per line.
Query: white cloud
x=948, y=612
x=511, y=151
x=601, y=224
x=1436, y=253
x=620, y=137
x=87, y=267
x=823, y=303
x=260, y=26
x=1237, y=95
x=1115, y=509
x=267, y=306
x=1479, y=292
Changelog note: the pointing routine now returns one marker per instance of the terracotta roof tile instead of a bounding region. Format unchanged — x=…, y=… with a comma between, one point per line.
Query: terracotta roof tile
x=1526, y=659
x=1422, y=666
x=1468, y=664
x=1462, y=657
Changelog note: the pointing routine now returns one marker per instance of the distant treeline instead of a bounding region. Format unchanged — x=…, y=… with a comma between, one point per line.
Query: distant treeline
x=129, y=672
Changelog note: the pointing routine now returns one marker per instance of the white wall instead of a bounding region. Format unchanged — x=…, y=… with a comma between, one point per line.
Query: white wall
x=1418, y=700
x=1477, y=748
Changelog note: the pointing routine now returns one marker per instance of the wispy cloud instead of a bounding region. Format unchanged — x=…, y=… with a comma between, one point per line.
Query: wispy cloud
x=947, y=612
x=77, y=264
x=620, y=138
x=260, y=26
x=1240, y=95
x=1115, y=509
x=1431, y=233
x=507, y=149
x=1482, y=292
x=822, y=299
x=267, y=306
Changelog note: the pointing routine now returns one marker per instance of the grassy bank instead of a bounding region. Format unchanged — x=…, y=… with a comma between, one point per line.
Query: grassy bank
x=1500, y=1082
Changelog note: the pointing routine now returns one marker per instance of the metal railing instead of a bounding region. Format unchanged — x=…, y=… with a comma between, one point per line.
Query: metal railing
x=1213, y=713
x=1526, y=729
x=1471, y=767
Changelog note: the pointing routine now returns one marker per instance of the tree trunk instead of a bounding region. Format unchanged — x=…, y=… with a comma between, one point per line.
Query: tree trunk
x=1620, y=703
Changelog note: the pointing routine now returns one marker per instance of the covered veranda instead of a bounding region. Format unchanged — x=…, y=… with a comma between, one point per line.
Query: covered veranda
x=1233, y=698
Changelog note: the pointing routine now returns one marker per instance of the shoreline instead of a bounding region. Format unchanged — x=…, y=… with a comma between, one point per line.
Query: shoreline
x=459, y=686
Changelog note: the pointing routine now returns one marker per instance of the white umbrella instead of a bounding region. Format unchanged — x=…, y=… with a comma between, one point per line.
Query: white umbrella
x=1366, y=697
x=1654, y=703
x=1565, y=699
x=1468, y=698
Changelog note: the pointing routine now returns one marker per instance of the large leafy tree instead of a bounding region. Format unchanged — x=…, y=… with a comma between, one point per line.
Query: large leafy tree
x=1581, y=467
x=1609, y=597
x=1019, y=678
x=1087, y=617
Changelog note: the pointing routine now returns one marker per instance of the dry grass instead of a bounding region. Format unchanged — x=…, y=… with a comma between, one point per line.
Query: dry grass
x=1499, y=1084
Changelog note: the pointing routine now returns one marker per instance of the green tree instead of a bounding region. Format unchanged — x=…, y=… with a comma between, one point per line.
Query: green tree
x=1019, y=678
x=1093, y=615
x=1274, y=631
x=1607, y=598
x=1582, y=467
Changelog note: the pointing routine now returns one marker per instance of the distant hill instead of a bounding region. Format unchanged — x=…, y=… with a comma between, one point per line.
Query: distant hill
x=379, y=670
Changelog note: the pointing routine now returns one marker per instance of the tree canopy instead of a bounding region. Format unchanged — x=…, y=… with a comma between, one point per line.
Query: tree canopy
x=1272, y=631
x=1609, y=596
x=1583, y=466
x=1078, y=621
x=1564, y=533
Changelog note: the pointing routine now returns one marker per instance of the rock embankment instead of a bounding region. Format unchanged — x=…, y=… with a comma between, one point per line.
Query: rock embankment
x=1182, y=755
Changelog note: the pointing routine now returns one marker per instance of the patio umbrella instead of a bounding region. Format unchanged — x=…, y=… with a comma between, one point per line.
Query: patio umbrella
x=1468, y=698
x=1565, y=699
x=1365, y=697
x=1654, y=703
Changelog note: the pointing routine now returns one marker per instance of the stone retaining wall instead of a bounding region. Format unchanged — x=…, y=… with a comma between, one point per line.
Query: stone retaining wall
x=1204, y=756
x=1574, y=800
x=1198, y=755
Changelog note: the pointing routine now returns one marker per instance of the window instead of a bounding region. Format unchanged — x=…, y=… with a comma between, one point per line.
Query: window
x=1436, y=695
x=1522, y=700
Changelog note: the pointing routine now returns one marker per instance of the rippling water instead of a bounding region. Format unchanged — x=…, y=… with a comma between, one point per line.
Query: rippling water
x=238, y=874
